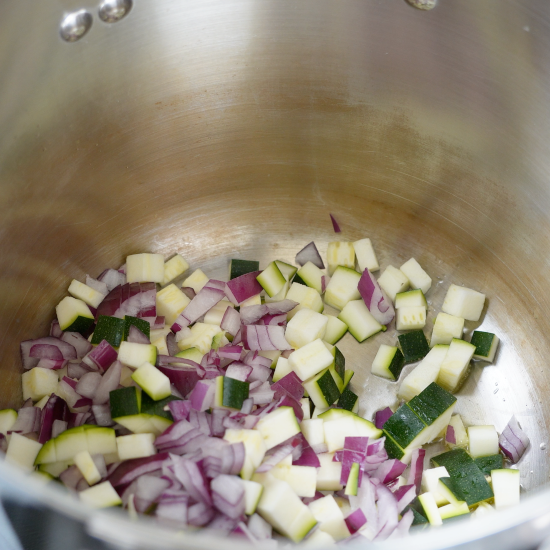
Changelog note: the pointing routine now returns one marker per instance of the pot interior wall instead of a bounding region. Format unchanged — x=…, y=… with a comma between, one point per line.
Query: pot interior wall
x=232, y=129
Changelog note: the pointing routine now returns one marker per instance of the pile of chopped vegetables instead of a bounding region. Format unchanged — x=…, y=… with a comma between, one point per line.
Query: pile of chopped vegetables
x=228, y=405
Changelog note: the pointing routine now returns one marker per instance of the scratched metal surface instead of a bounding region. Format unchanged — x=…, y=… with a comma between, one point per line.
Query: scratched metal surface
x=232, y=129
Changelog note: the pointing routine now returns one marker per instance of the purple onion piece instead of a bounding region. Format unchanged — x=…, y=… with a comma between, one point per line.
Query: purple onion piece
x=376, y=301
x=241, y=288
x=513, y=441
x=335, y=225
x=450, y=436
x=381, y=417
x=264, y=338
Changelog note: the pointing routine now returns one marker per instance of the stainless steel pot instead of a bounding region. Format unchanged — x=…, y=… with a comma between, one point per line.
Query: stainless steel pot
x=233, y=127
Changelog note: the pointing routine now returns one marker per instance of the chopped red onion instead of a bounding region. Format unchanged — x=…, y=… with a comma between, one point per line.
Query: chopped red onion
x=231, y=321
x=82, y=403
x=291, y=385
x=253, y=358
x=381, y=417
x=80, y=344
x=180, y=409
x=513, y=441
x=109, y=382
x=241, y=288
x=450, y=436
x=203, y=302
x=171, y=344
x=52, y=365
x=404, y=525
x=189, y=292
x=135, y=336
x=28, y=421
x=325, y=279
x=200, y=514
x=404, y=496
x=310, y=254
x=58, y=427
x=78, y=370
x=259, y=527
x=279, y=453
x=70, y=395
x=247, y=405
x=172, y=512
x=264, y=338
x=218, y=415
x=133, y=299
x=335, y=225
x=88, y=384
x=377, y=302
x=416, y=468
x=112, y=278
x=275, y=320
x=387, y=512
x=183, y=378
x=102, y=356
x=230, y=352
x=102, y=415
x=356, y=520
x=46, y=351
x=192, y=478
x=71, y=478
x=148, y=489
x=389, y=470
x=125, y=472
x=238, y=371
x=200, y=420
x=55, y=329
x=228, y=495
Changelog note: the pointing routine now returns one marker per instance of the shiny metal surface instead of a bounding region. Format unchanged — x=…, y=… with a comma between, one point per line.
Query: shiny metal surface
x=111, y=11
x=232, y=128
x=75, y=25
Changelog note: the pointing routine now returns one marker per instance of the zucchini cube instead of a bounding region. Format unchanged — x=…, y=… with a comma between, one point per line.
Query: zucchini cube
x=410, y=298
x=271, y=279
x=197, y=281
x=342, y=287
x=110, y=329
x=361, y=323
x=242, y=267
x=171, y=301
x=306, y=298
x=340, y=254
x=173, y=268
x=486, y=344
x=305, y=327
x=456, y=365
x=365, y=255
x=322, y=389
x=393, y=281
x=388, y=363
x=464, y=302
x=413, y=345
x=311, y=275
x=145, y=268
x=410, y=318
x=416, y=275
x=446, y=328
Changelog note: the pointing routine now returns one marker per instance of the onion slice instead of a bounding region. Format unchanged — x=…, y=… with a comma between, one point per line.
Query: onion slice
x=310, y=254
x=513, y=441
x=375, y=299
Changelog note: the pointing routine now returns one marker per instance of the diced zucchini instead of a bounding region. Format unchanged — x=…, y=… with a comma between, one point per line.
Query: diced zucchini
x=318, y=539
x=140, y=324
x=302, y=479
x=194, y=354
x=388, y=363
x=7, y=420
x=234, y=392
x=310, y=359
x=85, y=293
x=329, y=517
x=486, y=344
x=125, y=401
x=410, y=318
x=40, y=404
x=322, y=389
x=361, y=323
x=99, y=440
x=353, y=480
x=313, y=431
x=100, y=496
x=242, y=267
x=171, y=301
x=417, y=276
x=349, y=401
x=69, y=443
x=157, y=408
x=306, y=298
x=348, y=375
x=311, y=275
x=281, y=295
x=454, y=510
x=365, y=255
x=160, y=344
x=254, y=448
x=506, y=487
x=339, y=424
x=38, y=383
x=483, y=441
x=134, y=355
x=74, y=315
x=282, y=508
x=87, y=467
x=489, y=463
x=282, y=368
x=200, y=338
x=329, y=473
x=252, y=301
x=430, y=484
x=456, y=365
x=414, y=346
x=424, y=374
x=278, y=426
x=252, y=491
x=287, y=270
x=22, y=451
x=446, y=328
x=144, y=423
x=393, y=281
x=418, y=422
x=410, y=298
x=135, y=446
x=335, y=329
x=342, y=287
x=271, y=279
x=483, y=509
x=464, y=302
x=153, y=382
x=468, y=482
x=340, y=254
x=143, y=268
x=110, y=329
x=215, y=315
x=305, y=327
x=47, y=454
x=197, y=281
x=430, y=508
x=173, y=268
x=460, y=433
x=219, y=341
x=54, y=468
